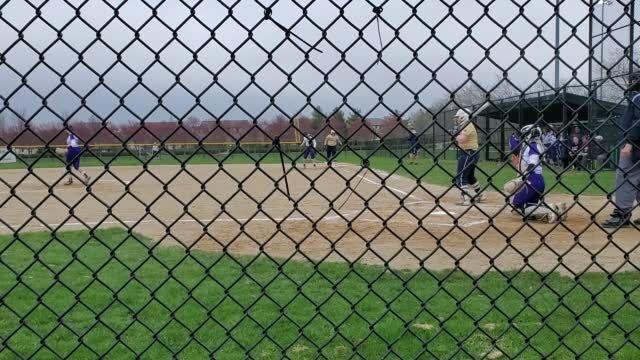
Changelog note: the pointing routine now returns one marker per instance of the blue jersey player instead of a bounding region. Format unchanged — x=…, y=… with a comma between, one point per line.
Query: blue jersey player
x=74, y=152
x=527, y=199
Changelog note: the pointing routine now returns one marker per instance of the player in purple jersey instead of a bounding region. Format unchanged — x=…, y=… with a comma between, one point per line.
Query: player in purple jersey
x=74, y=153
x=309, y=154
x=528, y=198
x=514, y=147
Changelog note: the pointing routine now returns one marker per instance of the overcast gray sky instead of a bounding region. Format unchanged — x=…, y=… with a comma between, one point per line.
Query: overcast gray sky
x=307, y=75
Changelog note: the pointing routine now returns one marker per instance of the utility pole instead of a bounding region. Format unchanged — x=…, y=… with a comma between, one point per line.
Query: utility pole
x=557, y=49
x=632, y=25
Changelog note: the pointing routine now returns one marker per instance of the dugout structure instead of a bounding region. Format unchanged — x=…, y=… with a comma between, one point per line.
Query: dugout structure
x=564, y=109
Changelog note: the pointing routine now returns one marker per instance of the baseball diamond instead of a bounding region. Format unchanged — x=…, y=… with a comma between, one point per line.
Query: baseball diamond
x=319, y=179
x=403, y=225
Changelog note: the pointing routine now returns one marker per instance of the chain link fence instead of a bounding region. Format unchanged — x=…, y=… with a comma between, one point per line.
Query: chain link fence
x=319, y=179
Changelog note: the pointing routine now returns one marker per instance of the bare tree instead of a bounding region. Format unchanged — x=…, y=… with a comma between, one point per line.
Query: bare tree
x=615, y=70
x=421, y=119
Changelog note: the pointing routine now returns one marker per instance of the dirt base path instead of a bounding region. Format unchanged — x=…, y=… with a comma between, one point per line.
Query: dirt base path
x=244, y=210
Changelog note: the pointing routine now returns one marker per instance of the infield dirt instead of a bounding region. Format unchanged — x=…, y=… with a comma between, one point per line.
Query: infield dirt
x=243, y=209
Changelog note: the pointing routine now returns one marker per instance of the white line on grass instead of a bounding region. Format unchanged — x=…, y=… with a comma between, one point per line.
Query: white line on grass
x=241, y=220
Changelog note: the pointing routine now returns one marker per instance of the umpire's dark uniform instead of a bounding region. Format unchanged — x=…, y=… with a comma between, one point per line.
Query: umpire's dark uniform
x=628, y=174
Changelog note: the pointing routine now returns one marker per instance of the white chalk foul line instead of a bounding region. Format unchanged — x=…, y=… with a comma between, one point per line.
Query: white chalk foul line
x=18, y=192
x=113, y=222
x=241, y=220
x=420, y=201
x=46, y=187
x=387, y=187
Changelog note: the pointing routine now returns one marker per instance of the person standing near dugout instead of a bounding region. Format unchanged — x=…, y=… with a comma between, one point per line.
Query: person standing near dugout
x=331, y=143
x=74, y=153
x=309, y=154
x=628, y=173
x=414, y=147
x=467, y=141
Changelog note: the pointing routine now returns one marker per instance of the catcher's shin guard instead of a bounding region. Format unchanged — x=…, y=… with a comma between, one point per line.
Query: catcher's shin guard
x=540, y=213
x=561, y=210
x=552, y=213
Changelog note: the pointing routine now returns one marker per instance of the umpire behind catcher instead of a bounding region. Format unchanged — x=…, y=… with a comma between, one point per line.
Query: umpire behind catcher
x=628, y=173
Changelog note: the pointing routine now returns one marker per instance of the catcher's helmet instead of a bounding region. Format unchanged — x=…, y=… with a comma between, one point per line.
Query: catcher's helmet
x=530, y=132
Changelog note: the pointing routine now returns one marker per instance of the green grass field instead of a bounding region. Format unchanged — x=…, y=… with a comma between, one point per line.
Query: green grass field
x=114, y=294
x=430, y=172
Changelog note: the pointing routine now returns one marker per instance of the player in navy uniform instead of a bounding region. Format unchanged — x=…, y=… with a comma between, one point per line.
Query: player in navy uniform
x=309, y=154
x=74, y=153
x=527, y=199
x=628, y=172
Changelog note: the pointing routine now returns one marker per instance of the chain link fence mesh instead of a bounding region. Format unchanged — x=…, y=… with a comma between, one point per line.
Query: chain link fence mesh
x=173, y=185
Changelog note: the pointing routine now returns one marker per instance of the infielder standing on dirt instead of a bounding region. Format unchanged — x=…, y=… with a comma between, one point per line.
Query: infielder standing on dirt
x=331, y=142
x=309, y=154
x=628, y=173
x=74, y=152
x=467, y=140
x=529, y=190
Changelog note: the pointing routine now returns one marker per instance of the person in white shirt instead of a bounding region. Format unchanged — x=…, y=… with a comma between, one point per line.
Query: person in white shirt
x=309, y=154
x=331, y=142
x=74, y=153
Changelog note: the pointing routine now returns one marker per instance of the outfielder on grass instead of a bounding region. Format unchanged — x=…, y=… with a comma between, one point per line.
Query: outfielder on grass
x=73, y=155
x=529, y=189
x=467, y=140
